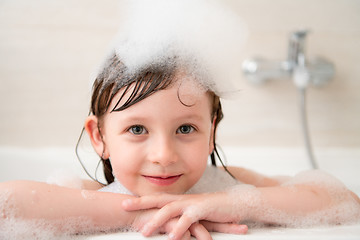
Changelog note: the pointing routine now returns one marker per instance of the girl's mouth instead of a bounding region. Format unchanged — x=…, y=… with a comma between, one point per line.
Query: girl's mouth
x=162, y=181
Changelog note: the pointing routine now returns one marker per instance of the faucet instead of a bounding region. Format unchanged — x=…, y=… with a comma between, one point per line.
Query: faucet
x=303, y=72
x=319, y=71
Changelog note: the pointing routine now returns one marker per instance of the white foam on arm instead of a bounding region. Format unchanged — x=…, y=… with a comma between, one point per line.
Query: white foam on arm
x=310, y=198
x=45, y=211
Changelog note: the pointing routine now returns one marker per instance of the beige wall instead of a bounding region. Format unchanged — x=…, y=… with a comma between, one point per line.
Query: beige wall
x=49, y=50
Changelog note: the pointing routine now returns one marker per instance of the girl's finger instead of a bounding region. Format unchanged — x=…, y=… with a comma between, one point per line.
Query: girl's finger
x=225, y=227
x=200, y=232
x=160, y=218
x=147, y=202
x=186, y=236
x=184, y=223
x=168, y=227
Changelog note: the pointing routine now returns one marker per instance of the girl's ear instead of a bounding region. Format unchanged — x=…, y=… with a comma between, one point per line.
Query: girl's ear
x=92, y=129
x=212, y=136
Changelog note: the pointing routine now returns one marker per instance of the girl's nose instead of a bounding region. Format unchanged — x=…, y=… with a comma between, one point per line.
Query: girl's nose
x=163, y=151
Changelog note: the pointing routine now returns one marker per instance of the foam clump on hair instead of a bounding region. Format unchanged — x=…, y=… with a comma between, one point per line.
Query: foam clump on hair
x=202, y=36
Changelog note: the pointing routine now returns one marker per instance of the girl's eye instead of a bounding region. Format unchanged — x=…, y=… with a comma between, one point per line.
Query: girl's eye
x=137, y=130
x=185, y=129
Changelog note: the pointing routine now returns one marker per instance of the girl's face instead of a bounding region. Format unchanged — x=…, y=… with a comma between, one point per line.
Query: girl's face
x=159, y=144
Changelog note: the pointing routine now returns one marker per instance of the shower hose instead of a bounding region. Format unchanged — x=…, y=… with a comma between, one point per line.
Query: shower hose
x=305, y=127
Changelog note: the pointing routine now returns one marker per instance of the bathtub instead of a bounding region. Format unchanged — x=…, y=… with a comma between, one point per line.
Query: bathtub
x=40, y=163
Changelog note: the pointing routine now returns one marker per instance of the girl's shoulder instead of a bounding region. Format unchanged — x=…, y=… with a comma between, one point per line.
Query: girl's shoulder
x=90, y=185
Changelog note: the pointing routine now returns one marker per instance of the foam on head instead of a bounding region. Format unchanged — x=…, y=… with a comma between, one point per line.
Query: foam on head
x=202, y=36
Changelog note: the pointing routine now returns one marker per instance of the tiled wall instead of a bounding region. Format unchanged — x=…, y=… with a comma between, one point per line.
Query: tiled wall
x=49, y=51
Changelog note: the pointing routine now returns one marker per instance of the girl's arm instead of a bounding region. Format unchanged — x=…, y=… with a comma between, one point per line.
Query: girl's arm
x=87, y=209
x=29, y=200
x=309, y=198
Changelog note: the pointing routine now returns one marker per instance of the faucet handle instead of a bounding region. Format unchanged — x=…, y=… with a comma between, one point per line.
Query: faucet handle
x=296, y=49
x=298, y=35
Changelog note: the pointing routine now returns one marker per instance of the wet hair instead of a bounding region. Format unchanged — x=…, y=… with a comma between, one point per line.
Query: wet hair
x=146, y=82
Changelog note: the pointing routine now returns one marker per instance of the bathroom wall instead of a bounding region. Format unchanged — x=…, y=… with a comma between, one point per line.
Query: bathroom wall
x=49, y=51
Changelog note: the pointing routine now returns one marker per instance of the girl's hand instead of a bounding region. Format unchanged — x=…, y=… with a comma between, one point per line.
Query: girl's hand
x=215, y=208
x=197, y=229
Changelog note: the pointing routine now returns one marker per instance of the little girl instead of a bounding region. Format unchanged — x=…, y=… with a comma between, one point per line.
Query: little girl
x=153, y=121
x=154, y=132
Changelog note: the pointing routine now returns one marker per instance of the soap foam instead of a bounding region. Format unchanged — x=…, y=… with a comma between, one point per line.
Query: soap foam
x=86, y=194
x=344, y=208
x=13, y=227
x=64, y=178
x=20, y=229
x=202, y=36
x=39, y=229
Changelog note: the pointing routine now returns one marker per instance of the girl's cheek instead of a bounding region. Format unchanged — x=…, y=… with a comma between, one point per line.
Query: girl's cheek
x=200, y=153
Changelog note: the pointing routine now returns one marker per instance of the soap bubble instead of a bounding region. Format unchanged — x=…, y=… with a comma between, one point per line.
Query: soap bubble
x=202, y=36
x=343, y=208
